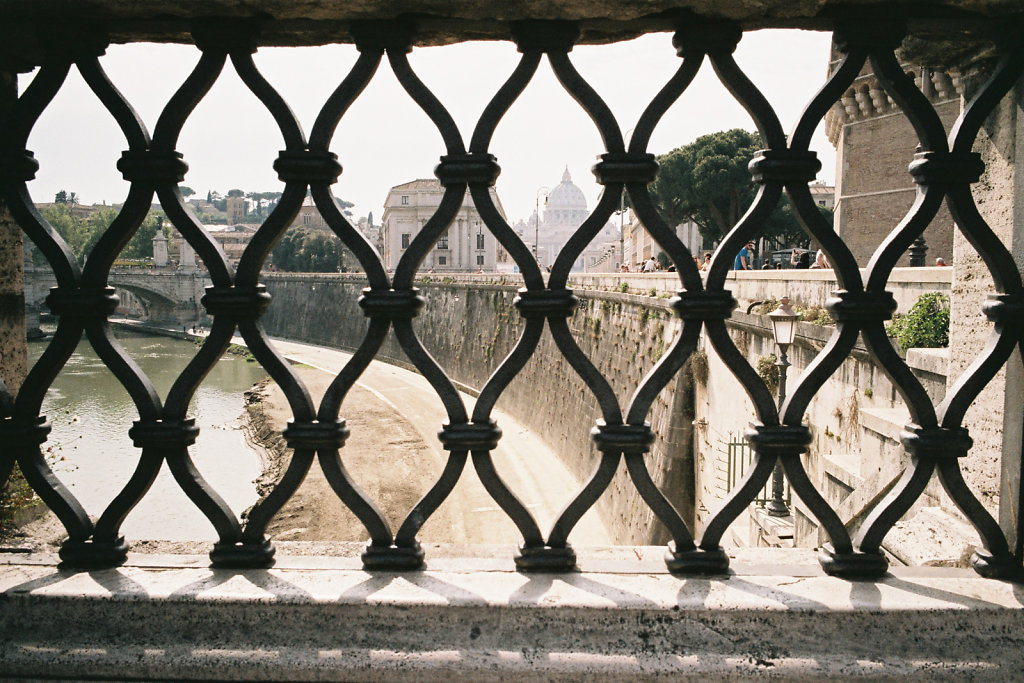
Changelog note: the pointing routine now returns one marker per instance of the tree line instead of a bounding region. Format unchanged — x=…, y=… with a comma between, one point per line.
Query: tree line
x=81, y=231
x=308, y=250
x=707, y=182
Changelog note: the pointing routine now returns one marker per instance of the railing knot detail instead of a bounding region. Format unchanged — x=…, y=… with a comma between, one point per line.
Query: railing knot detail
x=1004, y=309
x=703, y=305
x=471, y=436
x=546, y=303
x=545, y=35
x=16, y=434
x=474, y=167
x=82, y=304
x=946, y=168
x=936, y=443
x=784, y=166
x=164, y=434
x=307, y=166
x=391, y=304
x=154, y=167
x=777, y=440
x=316, y=435
x=622, y=438
x=619, y=167
x=861, y=306
x=698, y=37
x=236, y=302
x=18, y=165
x=383, y=35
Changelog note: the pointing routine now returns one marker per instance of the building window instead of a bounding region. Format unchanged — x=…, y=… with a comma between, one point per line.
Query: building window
x=479, y=240
x=443, y=242
x=442, y=260
x=307, y=219
x=405, y=200
x=821, y=202
x=479, y=259
x=406, y=238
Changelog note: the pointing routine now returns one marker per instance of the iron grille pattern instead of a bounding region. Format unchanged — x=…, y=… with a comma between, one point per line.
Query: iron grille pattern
x=935, y=440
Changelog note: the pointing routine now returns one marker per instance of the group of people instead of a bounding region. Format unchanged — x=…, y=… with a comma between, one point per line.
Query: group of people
x=744, y=261
x=651, y=265
x=799, y=260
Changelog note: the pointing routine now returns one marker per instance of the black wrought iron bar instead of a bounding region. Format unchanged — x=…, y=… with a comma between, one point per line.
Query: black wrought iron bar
x=896, y=503
x=935, y=439
x=996, y=556
x=919, y=405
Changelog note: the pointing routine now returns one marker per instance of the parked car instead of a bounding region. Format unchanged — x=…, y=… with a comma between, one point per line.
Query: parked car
x=783, y=257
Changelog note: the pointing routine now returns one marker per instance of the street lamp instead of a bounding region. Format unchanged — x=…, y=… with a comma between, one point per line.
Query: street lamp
x=536, y=223
x=622, y=211
x=784, y=330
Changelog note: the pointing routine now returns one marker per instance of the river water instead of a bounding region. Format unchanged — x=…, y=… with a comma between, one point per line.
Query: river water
x=89, y=448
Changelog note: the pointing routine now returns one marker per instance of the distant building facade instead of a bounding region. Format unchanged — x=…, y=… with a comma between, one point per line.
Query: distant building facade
x=233, y=239
x=875, y=143
x=466, y=247
x=236, y=209
x=638, y=245
x=309, y=216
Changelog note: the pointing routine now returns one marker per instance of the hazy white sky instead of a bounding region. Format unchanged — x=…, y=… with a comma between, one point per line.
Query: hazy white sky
x=385, y=139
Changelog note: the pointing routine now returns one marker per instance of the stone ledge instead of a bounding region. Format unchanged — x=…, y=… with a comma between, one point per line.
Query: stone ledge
x=325, y=619
x=934, y=361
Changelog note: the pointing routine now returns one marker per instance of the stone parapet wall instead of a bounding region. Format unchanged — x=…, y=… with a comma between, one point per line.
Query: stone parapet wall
x=808, y=288
x=469, y=324
x=475, y=619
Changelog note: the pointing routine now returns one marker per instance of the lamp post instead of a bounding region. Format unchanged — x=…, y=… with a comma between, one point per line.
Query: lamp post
x=784, y=330
x=622, y=211
x=543, y=190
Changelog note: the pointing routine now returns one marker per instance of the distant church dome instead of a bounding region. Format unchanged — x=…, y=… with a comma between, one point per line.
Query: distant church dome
x=566, y=203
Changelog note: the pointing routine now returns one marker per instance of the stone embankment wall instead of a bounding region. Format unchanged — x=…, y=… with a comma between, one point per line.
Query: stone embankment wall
x=469, y=325
x=855, y=421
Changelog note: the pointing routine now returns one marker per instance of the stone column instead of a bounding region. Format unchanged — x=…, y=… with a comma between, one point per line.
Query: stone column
x=13, y=348
x=160, y=250
x=186, y=256
x=993, y=467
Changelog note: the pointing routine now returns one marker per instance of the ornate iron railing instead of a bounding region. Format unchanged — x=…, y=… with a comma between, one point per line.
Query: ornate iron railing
x=943, y=170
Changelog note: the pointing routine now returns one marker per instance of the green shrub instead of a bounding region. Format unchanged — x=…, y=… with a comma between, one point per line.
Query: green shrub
x=623, y=287
x=817, y=316
x=925, y=326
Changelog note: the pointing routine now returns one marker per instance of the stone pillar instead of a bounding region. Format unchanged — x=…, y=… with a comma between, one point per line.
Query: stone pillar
x=160, y=250
x=186, y=255
x=993, y=466
x=13, y=348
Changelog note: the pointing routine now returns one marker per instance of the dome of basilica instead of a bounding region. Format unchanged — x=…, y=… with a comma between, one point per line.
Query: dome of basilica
x=566, y=202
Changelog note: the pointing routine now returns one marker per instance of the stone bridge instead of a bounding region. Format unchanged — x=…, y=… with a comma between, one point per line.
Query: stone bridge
x=166, y=295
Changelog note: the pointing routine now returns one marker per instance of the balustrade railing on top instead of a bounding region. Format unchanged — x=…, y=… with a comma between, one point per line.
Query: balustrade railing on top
x=944, y=170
